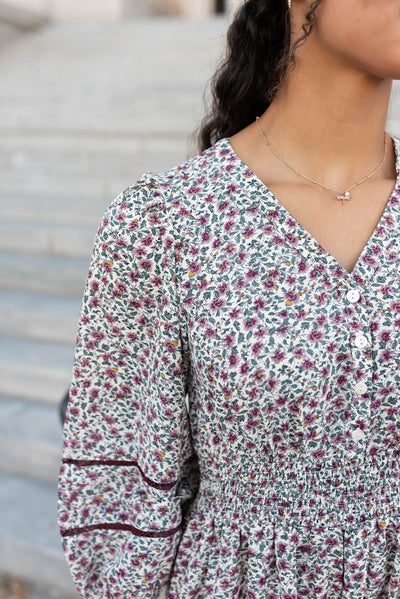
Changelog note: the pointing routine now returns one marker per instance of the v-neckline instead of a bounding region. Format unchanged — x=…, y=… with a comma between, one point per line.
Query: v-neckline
x=365, y=265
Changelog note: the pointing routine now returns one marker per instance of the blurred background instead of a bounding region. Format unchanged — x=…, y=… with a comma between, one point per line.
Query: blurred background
x=93, y=93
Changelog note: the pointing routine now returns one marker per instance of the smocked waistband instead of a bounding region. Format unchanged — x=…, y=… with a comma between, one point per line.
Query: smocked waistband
x=343, y=492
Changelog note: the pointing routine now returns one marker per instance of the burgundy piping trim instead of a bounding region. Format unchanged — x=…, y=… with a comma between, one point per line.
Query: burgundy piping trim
x=162, y=486
x=112, y=526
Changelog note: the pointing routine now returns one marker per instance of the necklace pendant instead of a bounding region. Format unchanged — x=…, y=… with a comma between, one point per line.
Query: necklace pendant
x=345, y=196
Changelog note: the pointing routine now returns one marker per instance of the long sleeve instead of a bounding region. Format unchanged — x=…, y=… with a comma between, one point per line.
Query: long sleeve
x=129, y=469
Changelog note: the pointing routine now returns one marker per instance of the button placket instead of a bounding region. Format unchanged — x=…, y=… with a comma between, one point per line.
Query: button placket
x=360, y=406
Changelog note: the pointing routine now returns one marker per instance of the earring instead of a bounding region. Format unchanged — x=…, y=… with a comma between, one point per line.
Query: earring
x=290, y=4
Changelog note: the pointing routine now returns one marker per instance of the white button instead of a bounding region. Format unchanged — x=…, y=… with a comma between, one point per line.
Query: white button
x=360, y=388
x=353, y=295
x=357, y=434
x=361, y=341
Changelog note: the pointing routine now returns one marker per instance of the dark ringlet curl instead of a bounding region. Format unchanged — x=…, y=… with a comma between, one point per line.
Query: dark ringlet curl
x=257, y=59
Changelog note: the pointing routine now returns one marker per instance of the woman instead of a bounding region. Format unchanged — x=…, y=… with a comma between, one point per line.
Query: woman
x=233, y=424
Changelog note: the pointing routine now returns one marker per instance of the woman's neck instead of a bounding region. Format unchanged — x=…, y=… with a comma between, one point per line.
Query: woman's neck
x=329, y=119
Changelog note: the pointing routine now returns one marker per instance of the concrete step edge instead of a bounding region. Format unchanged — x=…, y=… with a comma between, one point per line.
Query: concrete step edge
x=41, y=462
x=47, y=240
x=31, y=438
x=33, y=370
x=84, y=210
x=44, y=318
x=45, y=386
x=47, y=275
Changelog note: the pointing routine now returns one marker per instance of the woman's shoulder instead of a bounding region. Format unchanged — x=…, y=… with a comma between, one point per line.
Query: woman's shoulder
x=190, y=177
x=175, y=199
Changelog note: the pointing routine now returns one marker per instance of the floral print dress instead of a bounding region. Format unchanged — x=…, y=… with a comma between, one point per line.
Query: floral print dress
x=233, y=428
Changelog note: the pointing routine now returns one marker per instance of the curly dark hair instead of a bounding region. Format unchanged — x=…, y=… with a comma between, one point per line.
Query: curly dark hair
x=258, y=57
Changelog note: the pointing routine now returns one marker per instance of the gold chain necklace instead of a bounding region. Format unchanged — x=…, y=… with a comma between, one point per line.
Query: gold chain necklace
x=344, y=196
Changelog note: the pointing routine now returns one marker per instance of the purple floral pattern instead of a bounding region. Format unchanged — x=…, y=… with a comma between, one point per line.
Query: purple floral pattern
x=234, y=418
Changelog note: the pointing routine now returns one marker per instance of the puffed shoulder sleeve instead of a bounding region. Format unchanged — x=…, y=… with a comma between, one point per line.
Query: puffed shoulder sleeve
x=129, y=470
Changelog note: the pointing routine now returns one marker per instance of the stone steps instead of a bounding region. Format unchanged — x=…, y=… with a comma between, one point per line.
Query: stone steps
x=45, y=239
x=30, y=544
x=35, y=370
x=110, y=102
x=57, y=185
x=37, y=317
x=44, y=165
x=84, y=210
x=30, y=439
x=43, y=274
x=103, y=86
x=88, y=145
